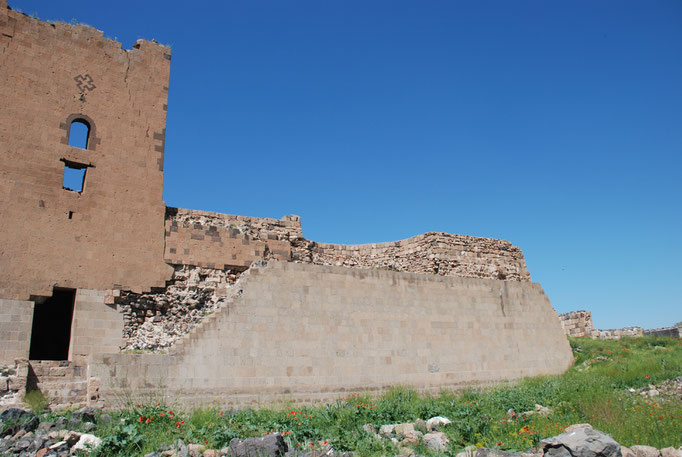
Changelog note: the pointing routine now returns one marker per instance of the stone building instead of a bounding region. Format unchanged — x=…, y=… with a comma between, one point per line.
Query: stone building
x=235, y=308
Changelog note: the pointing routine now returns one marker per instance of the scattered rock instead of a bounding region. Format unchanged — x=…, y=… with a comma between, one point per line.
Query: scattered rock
x=86, y=443
x=267, y=446
x=14, y=419
x=369, y=428
x=386, y=430
x=581, y=441
x=435, y=423
x=85, y=414
x=436, y=441
x=645, y=451
x=671, y=452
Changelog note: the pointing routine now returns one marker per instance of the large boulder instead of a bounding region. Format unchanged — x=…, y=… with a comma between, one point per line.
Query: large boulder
x=14, y=419
x=581, y=441
x=267, y=446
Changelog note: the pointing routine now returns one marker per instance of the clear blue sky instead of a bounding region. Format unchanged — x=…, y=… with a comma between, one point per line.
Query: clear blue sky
x=554, y=125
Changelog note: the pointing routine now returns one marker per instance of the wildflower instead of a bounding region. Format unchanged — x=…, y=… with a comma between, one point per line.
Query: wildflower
x=326, y=442
x=646, y=377
x=311, y=445
x=206, y=442
x=162, y=414
x=141, y=419
x=221, y=413
x=499, y=443
x=139, y=405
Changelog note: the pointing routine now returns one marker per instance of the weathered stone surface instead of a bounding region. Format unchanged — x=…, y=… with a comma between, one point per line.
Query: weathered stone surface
x=386, y=430
x=645, y=451
x=670, y=452
x=486, y=452
x=85, y=414
x=14, y=419
x=86, y=443
x=435, y=423
x=581, y=441
x=267, y=446
x=403, y=429
x=436, y=441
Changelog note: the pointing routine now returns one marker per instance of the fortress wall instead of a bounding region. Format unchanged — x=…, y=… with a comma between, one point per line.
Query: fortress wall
x=433, y=252
x=215, y=240
x=310, y=332
x=110, y=235
x=577, y=323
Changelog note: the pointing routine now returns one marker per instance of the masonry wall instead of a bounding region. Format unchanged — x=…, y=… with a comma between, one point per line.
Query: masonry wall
x=577, y=323
x=96, y=327
x=110, y=235
x=219, y=241
x=16, y=319
x=309, y=332
x=215, y=240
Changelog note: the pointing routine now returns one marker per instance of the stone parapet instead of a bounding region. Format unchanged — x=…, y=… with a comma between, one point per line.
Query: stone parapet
x=577, y=323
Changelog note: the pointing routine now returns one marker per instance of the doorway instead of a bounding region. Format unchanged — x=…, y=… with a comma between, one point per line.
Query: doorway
x=51, y=330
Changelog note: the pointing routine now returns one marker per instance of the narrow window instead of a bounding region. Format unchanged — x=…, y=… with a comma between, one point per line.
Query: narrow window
x=74, y=176
x=79, y=132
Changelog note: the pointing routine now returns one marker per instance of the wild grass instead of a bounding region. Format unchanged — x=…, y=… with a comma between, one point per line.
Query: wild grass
x=594, y=390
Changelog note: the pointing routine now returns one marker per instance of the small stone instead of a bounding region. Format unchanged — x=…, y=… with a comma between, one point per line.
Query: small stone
x=420, y=425
x=386, y=430
x=72, y=438
x=210, y=453
x=645, y=451
x=626, y=452
x=436, y=441
x=581, y=441
x=406, y=451
x=403, y=429
x=435, y=423
x=86, y=443
x=369, y=428
x=671, y=452
x=195, y=450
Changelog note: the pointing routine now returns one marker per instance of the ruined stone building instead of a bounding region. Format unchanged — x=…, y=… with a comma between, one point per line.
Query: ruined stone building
x=106, y=291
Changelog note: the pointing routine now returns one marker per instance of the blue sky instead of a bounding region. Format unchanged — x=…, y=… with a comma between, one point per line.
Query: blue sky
x=554, y=125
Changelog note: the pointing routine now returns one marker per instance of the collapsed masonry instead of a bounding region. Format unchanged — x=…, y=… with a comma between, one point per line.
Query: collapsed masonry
x=579, y=324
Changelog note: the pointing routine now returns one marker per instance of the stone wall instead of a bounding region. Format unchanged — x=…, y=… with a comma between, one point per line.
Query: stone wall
x=577, y=323
x=16, y=318
x=670, y=332
x=221, y=241
x=309, y=332
x=110, y=234
x=616, y=334
x=96, y=326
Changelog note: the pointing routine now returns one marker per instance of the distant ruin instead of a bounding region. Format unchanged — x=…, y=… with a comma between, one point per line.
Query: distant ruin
x=106, y=291
x=579, y=324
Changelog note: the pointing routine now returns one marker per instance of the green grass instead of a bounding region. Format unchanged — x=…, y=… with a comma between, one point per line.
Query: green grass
x=593, y=390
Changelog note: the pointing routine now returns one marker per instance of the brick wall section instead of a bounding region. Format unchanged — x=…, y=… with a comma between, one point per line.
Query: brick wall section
x=308, y=332
x=616, y=334
x=16, y=319
x=111, y=234
x=96, y=326
x=577, y=323
x=215, y=240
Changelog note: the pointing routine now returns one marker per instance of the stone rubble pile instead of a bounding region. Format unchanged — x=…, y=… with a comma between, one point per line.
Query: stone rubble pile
x=155, y=320
x=667, y=390
x=23, y=435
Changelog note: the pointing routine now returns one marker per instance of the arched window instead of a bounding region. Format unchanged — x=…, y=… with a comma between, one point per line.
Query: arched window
x=79, y=133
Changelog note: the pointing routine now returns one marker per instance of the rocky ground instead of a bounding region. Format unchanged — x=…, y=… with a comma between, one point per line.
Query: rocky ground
x=22, y=434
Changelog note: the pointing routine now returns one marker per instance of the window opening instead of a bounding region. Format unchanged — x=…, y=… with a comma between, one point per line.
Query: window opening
x=51, y=329
x=79, y=132
x=74, y=176
x=70, y=214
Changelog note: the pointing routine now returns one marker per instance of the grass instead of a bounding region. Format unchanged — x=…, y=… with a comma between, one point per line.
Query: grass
x=36, y=401
x=594, y=390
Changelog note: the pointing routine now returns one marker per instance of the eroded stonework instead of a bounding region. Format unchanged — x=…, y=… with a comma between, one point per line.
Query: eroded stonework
x=155, y=320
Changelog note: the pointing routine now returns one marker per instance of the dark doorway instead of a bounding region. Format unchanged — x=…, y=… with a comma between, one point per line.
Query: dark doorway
x=51, y=331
